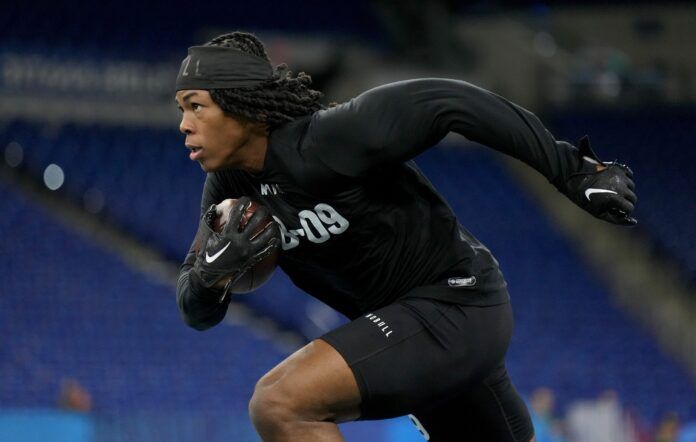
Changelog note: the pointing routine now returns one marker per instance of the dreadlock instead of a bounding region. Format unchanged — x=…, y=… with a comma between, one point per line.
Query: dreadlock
x=279, y=100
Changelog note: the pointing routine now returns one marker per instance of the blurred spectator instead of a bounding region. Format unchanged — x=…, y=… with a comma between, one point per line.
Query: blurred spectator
x=74, y=397
x=607, y=75
x=667, y=429
x=600, y=74
x=423, y=32
x=600, y=420
x=546, y=426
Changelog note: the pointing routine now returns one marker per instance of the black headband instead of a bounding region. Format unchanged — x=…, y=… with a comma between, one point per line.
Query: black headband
x=215, y=67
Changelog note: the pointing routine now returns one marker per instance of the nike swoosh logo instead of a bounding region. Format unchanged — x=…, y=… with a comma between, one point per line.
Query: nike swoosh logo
x=592, y=190
x=210, y=259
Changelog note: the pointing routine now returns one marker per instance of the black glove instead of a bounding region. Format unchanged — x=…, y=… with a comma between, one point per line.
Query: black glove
x=230, y=253
x=607, y=194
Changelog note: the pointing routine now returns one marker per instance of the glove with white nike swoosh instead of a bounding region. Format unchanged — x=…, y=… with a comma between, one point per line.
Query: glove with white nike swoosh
x=224, y=257
x=608, y=194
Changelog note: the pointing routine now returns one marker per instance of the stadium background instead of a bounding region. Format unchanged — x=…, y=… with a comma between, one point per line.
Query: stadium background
x=98, y=205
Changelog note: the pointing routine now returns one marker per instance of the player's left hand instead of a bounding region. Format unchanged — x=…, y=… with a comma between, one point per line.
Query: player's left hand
x=606, y=190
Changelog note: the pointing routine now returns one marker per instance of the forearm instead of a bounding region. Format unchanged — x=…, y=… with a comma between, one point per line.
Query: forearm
x=200, y=307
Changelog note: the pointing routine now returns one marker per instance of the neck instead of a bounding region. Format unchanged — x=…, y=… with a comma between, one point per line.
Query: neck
x=254, y=154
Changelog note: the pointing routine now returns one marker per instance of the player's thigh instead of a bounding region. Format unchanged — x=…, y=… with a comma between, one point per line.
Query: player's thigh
x=419, y=351
x=315, y=382
x=490, y=411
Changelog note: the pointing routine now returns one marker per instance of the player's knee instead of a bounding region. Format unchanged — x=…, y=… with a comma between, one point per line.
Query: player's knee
x=270, y=407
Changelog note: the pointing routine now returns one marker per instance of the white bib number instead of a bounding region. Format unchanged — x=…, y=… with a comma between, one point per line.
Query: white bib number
x=317, y=225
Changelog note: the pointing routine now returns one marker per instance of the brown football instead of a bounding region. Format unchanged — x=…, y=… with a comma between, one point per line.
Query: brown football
x=260, y=273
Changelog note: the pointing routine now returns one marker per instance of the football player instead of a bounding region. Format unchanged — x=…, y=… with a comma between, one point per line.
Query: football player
x=363, y=230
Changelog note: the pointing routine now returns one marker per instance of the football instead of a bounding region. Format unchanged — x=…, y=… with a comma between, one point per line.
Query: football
x=260, y=273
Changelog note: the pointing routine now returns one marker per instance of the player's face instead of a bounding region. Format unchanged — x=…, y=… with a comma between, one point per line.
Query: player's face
x=215, y=139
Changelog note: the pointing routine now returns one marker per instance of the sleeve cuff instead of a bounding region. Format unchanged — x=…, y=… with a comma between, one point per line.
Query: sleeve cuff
x=200, y=291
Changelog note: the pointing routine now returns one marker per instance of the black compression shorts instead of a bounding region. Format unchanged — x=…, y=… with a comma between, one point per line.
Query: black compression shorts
x=443, y=363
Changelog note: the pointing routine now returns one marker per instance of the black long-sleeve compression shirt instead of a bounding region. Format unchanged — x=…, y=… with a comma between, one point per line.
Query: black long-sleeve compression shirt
x=361, y=224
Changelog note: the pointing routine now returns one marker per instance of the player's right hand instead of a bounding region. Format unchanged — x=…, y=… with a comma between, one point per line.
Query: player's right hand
x=606, y=190
x=223, y=257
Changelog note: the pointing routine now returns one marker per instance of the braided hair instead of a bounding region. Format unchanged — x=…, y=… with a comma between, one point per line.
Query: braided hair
x=274, y=102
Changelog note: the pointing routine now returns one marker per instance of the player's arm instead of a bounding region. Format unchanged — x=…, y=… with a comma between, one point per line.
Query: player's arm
x=396, y=122
x=217, y=258
x=199, y=305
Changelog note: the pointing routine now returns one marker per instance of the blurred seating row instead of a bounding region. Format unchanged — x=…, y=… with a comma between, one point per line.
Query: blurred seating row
x=69, y=309
x=142, y=178
x=144, y=30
